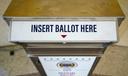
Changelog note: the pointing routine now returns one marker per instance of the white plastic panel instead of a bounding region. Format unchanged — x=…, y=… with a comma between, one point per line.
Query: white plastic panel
x=67, y=65
x=63, y=31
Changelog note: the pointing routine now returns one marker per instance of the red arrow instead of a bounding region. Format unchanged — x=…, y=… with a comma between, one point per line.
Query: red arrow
x=63, y=36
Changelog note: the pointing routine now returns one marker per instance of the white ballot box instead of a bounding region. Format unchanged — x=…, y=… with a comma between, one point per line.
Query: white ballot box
x=64, y=37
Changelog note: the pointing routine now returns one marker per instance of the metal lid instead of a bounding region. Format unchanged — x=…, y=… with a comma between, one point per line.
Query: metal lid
x=64, y=8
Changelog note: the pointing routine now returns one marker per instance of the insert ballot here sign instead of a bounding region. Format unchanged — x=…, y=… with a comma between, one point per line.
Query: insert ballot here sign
x=63, y=31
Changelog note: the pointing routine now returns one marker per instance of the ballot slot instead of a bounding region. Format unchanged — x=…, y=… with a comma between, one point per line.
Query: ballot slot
x=65, y=49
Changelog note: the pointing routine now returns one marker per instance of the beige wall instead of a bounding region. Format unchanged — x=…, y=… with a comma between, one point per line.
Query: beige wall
x=4, y=29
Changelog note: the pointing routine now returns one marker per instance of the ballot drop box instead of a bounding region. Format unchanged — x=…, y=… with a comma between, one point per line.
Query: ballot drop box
x=64, y=37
